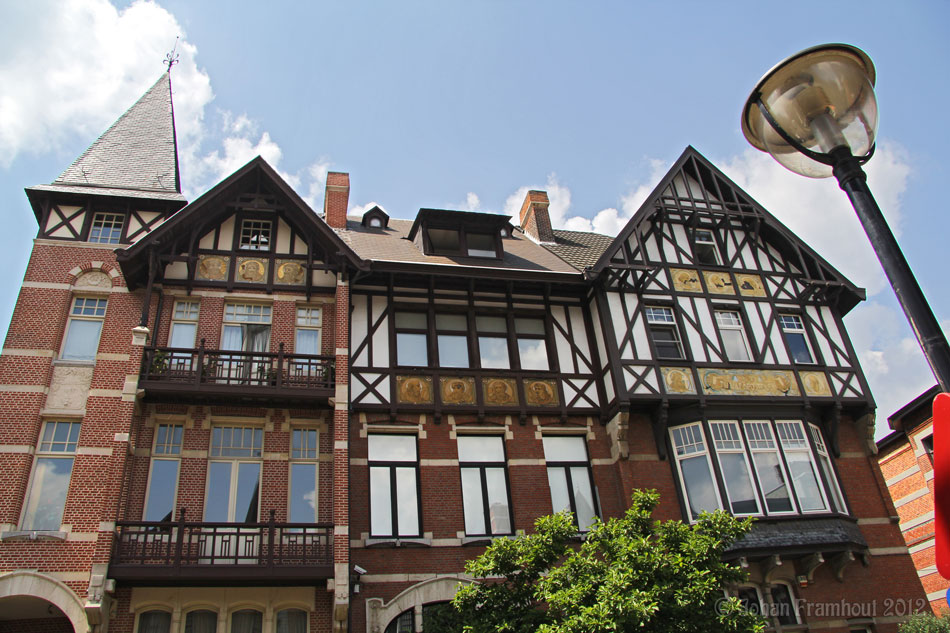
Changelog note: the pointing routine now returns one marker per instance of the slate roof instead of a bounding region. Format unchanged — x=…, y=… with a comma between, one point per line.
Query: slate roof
x=799, y=535
x=578, y=248
x=136, y=157
x=391, y=244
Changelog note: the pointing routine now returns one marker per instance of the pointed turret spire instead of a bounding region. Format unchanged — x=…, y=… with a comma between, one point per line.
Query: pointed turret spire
x=137, y=156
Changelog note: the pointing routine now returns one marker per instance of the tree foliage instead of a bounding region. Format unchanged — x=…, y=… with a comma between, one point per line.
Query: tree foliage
x=927, y=623
x=629, y=574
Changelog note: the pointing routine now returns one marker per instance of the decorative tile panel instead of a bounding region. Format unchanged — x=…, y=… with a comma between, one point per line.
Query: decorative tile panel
x=686, y=280
x=719, y=283
x=212, y=268
x=251, y=270
x=540, y=393
x=677, y=380
x=750, y=285
x=414, y=389
x=457, y=390
x=499, y=391
x=291, y=273
x=748, y=382
x=815, y=383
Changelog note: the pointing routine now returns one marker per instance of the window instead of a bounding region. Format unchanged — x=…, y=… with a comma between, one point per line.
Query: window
x=163, y=473
x=452, y=337
x=247, y=621
x=307, y=339
x=292, y=621
x=663, y=332
x=412, y=340
x=801, y=465
x=695, y=470
x=795, y=337
x=304, y=453
x=733, y=335
x=927, y=443
x=83, y=329
x=52, y=470
x=255, y=235
x=393, y=486
x=827, y=470
x=246, y=328
x=155, y=622
x=493, y=342
x=473, y=243
x=705, y=248
x=784, y=606
x=403, y=623
x=532, y=344
x=202, y=621
x=184, y=326
x=762, y=467
x=569, y=477
x=750, y=598
x=106, y=228
x=735, y=468
x=233, y=488
x=484, y=485
x=769, y=468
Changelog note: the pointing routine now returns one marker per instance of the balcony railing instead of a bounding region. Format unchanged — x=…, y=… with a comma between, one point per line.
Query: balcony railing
x=202, y=552
x=176, y=372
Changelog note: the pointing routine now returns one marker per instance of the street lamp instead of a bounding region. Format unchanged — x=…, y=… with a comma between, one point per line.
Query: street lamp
x=816, y=114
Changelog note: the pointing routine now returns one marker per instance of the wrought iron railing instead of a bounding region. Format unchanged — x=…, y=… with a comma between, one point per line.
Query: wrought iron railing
x=186, y=547
x=202, y=366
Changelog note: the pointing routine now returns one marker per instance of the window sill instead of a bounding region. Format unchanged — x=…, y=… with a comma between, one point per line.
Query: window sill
x=60, y=362
x=486, y=540
x=385, y=541
x=33, y=535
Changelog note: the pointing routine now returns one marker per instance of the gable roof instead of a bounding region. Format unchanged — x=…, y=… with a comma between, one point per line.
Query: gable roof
x=580, y=249
x=137, y=157
x=731, y=201
x=182, y=230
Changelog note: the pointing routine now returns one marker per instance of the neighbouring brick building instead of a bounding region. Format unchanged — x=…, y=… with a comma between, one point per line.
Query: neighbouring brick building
x=236, y=415
x=906, y=459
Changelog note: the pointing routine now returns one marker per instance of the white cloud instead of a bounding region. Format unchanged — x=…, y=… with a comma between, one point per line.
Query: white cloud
x=63, y=86
x=472, y=203
x=360, y=209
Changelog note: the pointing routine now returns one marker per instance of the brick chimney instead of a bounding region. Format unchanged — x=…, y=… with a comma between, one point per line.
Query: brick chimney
x=534, y=217
x=336, y=199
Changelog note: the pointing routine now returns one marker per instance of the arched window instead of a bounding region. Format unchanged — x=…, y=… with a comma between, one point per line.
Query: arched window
x=291, y=621
x=247, y=621
x=155, y=622
x=784, y=605
x=403, y=623
x=202, y=621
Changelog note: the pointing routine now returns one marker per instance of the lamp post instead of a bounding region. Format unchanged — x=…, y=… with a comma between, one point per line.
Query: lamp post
x=816, y=114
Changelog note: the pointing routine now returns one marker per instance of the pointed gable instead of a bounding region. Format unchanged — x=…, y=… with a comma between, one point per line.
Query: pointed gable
x=280, y=229
x=136, y=157
x=696, y=216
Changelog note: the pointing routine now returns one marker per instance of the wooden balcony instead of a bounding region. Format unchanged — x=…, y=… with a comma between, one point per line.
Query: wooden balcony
x=200, y=553
x=201, y=374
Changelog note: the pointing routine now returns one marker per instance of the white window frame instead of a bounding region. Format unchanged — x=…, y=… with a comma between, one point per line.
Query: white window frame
x=305, y=455
x=255, y=456
x=801, y=445
x=826, y=467
x=169, y=452
x=567, y=466
x=764, y=446
x=106, y=219
x=184, y=312
x=78, y=311
x=46, y=451
x=391, y=466
x=309, y=318
x=791, y=323
x=732, y=323
x=690, y=450
x=793, y=601
x=709, y=244
x=731, y=442
x=261, y=227
x=667, y=321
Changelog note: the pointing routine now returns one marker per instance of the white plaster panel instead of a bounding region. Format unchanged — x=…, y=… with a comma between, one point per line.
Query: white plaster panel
x=358, y=330
x=564, y=354
x=69, y=387
x=283, y=236
x=176, y=270
x=226, y=234
x=679, y=235
x=580, y=338
x=692, y=334
x=381, y=336
x=832, y=326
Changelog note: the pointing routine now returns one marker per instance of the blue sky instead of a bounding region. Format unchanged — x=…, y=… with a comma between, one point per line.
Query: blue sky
x=466, y=104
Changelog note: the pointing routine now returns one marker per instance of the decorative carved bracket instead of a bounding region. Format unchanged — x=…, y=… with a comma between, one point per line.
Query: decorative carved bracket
x=769, y=567
x=811, y=563
x=661, y=418
x=865, y=426
x=840, y=562
x=617, y=430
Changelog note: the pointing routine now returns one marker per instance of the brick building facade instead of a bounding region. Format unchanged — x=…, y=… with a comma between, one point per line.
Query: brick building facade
x=236, y=415
x=906, y=459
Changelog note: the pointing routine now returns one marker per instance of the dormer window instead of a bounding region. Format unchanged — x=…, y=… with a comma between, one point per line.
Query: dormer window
x=460, y=233
x=375, y=218
x=106, y=228
x=705, y=248
x=255, y=235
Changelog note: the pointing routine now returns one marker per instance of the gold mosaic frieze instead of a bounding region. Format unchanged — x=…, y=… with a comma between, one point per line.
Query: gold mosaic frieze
x=252, y=270
x=291, y=273
x=750, y=285
x=414, y=389
x=686, y=280
x=499, y=391
x=540, y=393
x=748, y=382
x=677, y=380
x=457, y=390
x=815, y=383
x=212, y=268
x=718, y=283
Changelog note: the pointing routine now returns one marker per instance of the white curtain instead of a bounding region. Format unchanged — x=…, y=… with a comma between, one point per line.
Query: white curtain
x=247, y=621
x=291, y=621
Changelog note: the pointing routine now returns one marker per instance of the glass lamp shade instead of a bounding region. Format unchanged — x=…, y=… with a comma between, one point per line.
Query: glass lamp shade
x=823, y=98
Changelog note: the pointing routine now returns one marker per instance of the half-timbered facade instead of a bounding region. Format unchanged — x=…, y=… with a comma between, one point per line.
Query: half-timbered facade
x=237, y=415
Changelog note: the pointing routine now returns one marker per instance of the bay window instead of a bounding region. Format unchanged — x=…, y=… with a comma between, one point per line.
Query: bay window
x=393, y=486
x=755, y=467
x=484, y=485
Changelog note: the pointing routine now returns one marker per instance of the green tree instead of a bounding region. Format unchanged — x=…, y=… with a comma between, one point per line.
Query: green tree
x=927, y=623
x=629, y=574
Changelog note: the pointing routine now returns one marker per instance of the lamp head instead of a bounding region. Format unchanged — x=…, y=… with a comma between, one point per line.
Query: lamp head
x=822, y=98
